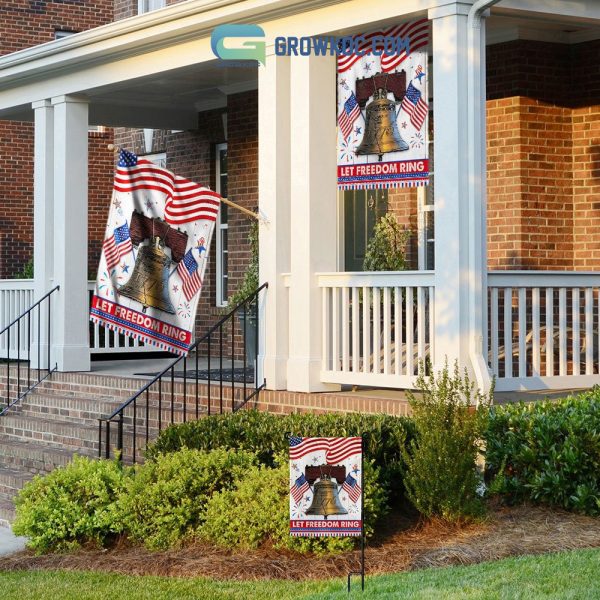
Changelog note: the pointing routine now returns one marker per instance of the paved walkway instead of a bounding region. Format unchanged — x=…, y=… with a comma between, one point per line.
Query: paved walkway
x=9, y=542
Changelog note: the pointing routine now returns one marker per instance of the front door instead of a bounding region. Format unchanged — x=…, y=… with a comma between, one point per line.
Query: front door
x=362, y=209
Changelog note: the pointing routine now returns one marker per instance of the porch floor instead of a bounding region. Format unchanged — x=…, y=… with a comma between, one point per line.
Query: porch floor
x=138, y=369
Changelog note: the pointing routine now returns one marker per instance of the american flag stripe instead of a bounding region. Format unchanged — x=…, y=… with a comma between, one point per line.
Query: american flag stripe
x=186, y=200
x=336, y=449
x=352, y=489
x=419, y=113
x=298, y=491
x=113, y=251
x=346, y=121
x=308, y=445
x=419, y=37
x=343, y=449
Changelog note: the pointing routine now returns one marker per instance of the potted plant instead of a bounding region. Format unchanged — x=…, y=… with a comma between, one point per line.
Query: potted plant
x=248, y=318
x=386, y=250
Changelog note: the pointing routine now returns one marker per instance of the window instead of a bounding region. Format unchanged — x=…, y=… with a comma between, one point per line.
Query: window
x=426, y=201
x=221, y=232
x=159, y=159
x=145, y=6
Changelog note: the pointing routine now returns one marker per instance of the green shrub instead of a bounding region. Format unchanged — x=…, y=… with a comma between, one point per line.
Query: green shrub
x=386, y=250
x=266, y=435
x=547, y=452
x=164, y=503
x=256, y=512
x=71, y=505
x=442, y=479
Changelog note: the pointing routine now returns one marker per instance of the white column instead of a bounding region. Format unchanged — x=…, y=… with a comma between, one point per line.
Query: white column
x=478, y=198
x=43, y=225
x=449, y=25
x=70, y=327
x=274, y=204
x=313, y=201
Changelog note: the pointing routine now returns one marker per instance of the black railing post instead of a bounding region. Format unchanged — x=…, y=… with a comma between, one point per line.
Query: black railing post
x=221, y=368
x=8, y=367
x=39, y=341
x=256, y=344
x=147, y=415
x=233, y=359
x=29, y=348
x=184, y=388
x=197, y=384
x=99, y=438
x=244, y=349
x=134, y=427
x=208, y=371
x=160, y=404
x=172, y=394
x=120, y=437
x=18, y=357
x=107, y=450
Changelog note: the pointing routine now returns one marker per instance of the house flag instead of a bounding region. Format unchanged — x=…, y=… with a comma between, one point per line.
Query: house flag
x=382, y=109
x=326, y=487
x=154, y=254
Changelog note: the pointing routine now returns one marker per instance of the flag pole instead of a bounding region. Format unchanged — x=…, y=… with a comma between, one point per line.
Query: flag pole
x=114, y=148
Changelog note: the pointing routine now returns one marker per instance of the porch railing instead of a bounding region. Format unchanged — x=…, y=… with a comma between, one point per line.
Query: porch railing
x=376, y=326
x=16, y=296
x=23, y=370
x=230, y=380
x=543, y=329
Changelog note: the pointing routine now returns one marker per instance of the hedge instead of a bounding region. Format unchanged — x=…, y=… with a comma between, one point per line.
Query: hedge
x=266, y=435
x=547, y=452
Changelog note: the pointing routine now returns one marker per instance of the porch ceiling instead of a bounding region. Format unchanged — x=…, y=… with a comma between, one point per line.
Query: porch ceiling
x=158, y=70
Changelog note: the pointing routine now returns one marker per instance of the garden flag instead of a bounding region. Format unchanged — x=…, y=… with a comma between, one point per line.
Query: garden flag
x=154, y=254
x=325, y=486
x=382, y=112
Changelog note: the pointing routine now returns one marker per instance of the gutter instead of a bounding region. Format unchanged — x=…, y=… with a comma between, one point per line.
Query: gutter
x=477, y=193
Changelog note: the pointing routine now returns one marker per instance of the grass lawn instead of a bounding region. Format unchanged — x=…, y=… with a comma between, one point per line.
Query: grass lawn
x=564, y=575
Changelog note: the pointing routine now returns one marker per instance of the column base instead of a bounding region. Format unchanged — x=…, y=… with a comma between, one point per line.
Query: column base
x=304, y=375
x=71, y=358
x=275, y=372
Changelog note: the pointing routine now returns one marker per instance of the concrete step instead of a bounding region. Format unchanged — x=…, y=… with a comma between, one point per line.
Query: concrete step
x=7, y=508
x=12, y=480
x=34, y=457
x=50, y=432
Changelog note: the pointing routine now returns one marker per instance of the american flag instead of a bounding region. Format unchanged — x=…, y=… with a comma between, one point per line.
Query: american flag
x=414, y=105
x=419, y=37
x=351, y=487
x=348, y=116
x=186, y=201
x=117, y=245
x=187, y=269
x=299, y=488
x=336, y=449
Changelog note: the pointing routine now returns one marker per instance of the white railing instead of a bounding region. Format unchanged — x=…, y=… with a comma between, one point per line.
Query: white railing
x=377, y=327
x=543, y=329
x=17, y=295
x=105, y=341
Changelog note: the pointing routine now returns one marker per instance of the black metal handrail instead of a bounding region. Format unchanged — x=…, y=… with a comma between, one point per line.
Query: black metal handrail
x=23, y=322
x=135, y=415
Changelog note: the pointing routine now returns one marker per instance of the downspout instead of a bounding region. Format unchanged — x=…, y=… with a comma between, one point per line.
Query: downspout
x=477, y=194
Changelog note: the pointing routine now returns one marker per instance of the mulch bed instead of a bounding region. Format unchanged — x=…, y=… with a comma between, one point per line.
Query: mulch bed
x=407, y=545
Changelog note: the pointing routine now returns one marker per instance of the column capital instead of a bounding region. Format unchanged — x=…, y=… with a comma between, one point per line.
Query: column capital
x=449, y=9
x=41, y=104
x=68, y=99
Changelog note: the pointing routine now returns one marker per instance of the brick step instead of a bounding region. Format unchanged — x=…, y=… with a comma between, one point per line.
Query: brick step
x=34, y=458
x=57, y=434
x=12, y=480
x=7, y=508
x=77, y=410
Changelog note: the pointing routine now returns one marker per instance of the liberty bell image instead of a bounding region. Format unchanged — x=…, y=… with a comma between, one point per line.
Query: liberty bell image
x=381, y=127
x=326, y=500
x=148, y=283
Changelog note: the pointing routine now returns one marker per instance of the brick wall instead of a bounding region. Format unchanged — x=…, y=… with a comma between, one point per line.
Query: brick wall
x=23, y=24
x=192, y=154
x=543, y=194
